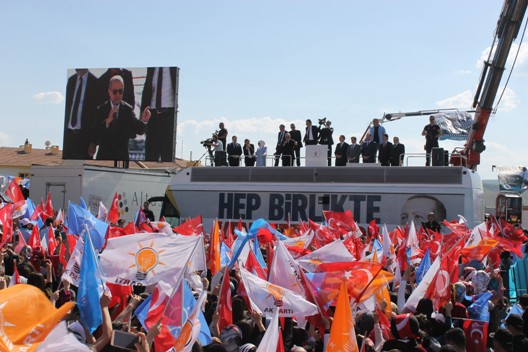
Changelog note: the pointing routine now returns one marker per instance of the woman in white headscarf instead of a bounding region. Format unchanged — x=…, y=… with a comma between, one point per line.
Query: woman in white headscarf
x=261, y=153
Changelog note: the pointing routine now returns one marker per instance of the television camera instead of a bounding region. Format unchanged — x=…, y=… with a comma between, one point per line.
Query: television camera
x=322, y=121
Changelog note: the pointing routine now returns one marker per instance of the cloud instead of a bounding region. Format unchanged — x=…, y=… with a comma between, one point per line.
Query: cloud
x=509, y=100
x=462, y=100
x=48, y=98
x=522, y=58
x=5, y=139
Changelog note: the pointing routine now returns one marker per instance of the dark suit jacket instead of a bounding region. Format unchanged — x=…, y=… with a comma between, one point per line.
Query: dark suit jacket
x=341, y=154
x=315, y=134
x=146, y=96
x=353, y=153
x=234, y=149
x=369, y=150
x=384, y=154
x=397, y=151
x=113, y=140
x=325, y=136
x=89, y=109
x=296, y=136
x=249, y=158
x=128, y=94
x=278, y=148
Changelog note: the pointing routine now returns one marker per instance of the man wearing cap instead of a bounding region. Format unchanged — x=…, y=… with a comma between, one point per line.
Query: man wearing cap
x=515, y=324
x=431, y=223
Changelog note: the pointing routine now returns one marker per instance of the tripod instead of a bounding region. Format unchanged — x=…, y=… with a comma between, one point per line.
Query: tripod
x=211, y=156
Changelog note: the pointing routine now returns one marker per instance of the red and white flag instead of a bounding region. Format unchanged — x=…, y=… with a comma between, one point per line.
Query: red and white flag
x=191, y=227
x=113, y=213
x=224, y=309
x=15, y=194
x=332, y=252
x=476, y=335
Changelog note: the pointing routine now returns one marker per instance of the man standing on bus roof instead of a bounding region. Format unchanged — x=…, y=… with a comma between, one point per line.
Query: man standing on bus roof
x=234, y=151
x=377, y=131
x=341, y=152
x=398, y=150
x=385, y=150
x=354, y=151
x=431, y=223
x=312, y=133
x=296, y=136
x=369, y=149
x=280, y=140
x=431, y=132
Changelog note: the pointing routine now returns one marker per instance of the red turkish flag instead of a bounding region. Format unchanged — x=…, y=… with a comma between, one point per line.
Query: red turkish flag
x=6, y=217
x=113, y=214
x=191, y=227
x=15, y=194
x=476, y=335
x=478, y=252
x=223, y=308
x=340, y=221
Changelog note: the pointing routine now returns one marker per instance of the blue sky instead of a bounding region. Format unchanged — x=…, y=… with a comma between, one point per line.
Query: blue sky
x=256, y=64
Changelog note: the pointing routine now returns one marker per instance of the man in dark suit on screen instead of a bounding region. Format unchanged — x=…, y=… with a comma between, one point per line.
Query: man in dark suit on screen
x=159, y=95
x=115, y=124
x=81, y=106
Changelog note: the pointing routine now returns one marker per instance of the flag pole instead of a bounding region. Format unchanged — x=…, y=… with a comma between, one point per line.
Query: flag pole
x=95, y=257
x=180, y=278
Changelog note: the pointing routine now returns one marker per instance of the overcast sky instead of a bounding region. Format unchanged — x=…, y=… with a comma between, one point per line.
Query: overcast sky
x=256, y=64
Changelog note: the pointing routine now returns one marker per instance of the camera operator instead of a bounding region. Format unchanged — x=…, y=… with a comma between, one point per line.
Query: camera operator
x=219, y=152
x=325, y=137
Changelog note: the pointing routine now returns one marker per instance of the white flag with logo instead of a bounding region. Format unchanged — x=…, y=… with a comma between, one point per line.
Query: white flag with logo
x=147, y=258
x=284, y=270
x=73, y=268
x=266, y=297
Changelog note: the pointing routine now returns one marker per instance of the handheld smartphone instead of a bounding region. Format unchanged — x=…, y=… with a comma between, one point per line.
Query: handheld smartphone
x=124, y=340
x=42, y=263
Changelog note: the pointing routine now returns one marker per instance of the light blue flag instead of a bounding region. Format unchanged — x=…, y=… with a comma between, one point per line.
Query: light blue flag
x=83, y=203
x=258, y=253
x=189, y=302
x=425, y=264
x=242, y=238
x=224, y=257
x=90, y=289
x=478, y=310
x=79, y=217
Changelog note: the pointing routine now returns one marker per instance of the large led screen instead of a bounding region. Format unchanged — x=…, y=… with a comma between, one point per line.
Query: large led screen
x=121, y=114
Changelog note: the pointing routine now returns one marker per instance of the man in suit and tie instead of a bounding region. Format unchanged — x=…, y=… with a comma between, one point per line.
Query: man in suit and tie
x=280, y=140
x=385, y=151
x=312, y=134
x=341, y=152
x=296, y=136
x=115, y=124
x=234, y=151
x=159, y=95
x=81, y=106
x=354, y=151
x=398, y=150
x=369, y=149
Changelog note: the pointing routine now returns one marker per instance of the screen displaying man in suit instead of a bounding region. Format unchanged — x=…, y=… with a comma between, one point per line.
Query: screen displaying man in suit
x=115, y=124
x=159, y=96
x=81, y=106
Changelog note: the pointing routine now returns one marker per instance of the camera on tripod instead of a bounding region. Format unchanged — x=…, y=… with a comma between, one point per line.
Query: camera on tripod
x=322, y=121
x=209, y=141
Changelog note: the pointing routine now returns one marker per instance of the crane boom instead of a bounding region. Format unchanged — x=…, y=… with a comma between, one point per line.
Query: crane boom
x=508, y=26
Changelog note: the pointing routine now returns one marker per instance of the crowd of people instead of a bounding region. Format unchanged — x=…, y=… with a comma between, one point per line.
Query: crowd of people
x=374, y=148
x=404, y=303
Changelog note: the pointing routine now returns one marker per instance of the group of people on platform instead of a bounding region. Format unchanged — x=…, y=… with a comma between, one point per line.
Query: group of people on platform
x=375, y=148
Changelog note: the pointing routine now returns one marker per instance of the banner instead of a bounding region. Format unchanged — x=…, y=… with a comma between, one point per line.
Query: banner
x=512, y=178
x=454, y=125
